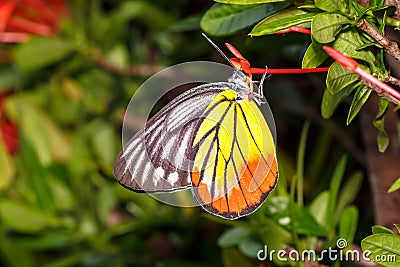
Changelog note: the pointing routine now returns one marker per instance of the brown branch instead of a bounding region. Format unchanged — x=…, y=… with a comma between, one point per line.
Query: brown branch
x=366, y=78
x=392, y=80
x=379, y=91
x=390, y=47
x=139, y=70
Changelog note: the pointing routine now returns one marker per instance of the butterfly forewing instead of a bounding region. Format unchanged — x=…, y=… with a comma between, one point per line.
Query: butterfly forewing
x=234, y=157
x=156, y=159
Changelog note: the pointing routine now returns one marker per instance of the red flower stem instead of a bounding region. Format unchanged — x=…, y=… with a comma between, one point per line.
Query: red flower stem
x=352, y=65
x=295, y=29
x=288, y=71
x=373, y=80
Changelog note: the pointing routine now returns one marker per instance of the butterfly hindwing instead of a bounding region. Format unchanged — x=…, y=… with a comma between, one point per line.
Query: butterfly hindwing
x=156, y=158
x=234, y=157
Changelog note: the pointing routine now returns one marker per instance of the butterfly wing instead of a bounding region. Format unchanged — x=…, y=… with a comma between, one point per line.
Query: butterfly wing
x=235, y=165
x=156, y=158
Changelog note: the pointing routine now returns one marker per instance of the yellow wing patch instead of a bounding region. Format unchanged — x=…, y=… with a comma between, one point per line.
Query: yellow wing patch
x=234, y=162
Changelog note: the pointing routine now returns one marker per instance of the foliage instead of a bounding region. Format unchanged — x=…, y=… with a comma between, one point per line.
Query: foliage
x=285, y=222
x=395, y=186
x=383, y=246
x=334, y=23
x=337, y=24
x=59, y=202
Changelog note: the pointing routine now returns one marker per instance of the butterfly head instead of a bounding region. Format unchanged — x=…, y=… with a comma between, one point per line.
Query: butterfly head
x=242, y=66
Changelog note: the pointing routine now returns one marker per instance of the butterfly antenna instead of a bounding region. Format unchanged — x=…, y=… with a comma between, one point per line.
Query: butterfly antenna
x=218, y=49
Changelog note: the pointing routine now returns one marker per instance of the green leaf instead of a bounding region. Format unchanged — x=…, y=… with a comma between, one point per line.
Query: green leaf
x=381, y=11
x=331, y=101
x=348, y=224
x=49, y=240
x=248, y=2
x=145, y=10
x=349, y=192
x=64, y=199
x=282, y=20
x=395, y=186
x=339, y=78
x=111, y=27
x=383, y=141
x=103, y=140
x=377, y=229
x=348, y=42
x=19, y=217
x=379, y=123
x=96, y=93
x=40, y=52
x=44, y=135
x=333, y=193
x=325, y=27
x=13, y=255
x=9, y=77
x=38, y=176
x=273, y=235
x=232, y=237
x=359, y=99
x=278, y=210
x=306, y=224
x=7, y=167
x=106, y=201
x=232, y=257
x=223, y=19
x=189, y=23
x=384, y=249
x=397, y=227
x=250, y=247
x=319, y=207
x=327, y=5
x=314, y=56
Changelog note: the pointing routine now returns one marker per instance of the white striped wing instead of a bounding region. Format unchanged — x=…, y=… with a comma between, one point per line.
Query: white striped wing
x=156, y=159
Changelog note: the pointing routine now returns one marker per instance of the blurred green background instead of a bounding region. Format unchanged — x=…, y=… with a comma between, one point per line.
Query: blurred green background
x=65, y=82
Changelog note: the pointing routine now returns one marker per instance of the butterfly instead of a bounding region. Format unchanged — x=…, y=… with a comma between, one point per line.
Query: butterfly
x=213, y=139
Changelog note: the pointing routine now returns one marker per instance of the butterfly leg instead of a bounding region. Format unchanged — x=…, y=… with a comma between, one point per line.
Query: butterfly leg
x=259, y=95
x=264, y=76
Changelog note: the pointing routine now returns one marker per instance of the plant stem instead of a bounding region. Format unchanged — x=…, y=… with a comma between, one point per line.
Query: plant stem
x=288, y=71
x=393, y=80
x=292, y=208
x=300, y=162
x=392, y=48
x=382, y=89
x=139, y=70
